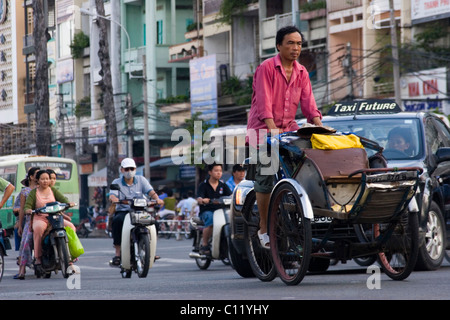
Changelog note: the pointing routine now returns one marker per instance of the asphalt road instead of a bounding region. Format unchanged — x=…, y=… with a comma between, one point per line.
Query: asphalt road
x=175, y=277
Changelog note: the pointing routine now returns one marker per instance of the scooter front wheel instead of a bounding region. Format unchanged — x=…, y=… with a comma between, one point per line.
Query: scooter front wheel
x=125, y=273
x=63, y=253
x=203, y=263
x=143, y=256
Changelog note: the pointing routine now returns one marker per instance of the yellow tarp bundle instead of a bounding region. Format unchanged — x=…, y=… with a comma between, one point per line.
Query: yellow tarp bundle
x=330, y=142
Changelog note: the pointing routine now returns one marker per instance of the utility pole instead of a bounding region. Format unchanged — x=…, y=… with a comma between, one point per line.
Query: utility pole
x=130, y=130
x=62, y=113
x=349, y=70
x=145, y=115
x=395, y=61
x=294, y=5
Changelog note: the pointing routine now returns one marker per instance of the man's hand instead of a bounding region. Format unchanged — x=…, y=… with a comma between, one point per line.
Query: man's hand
x=317, y=121
x=203, y=200
x=113, y=198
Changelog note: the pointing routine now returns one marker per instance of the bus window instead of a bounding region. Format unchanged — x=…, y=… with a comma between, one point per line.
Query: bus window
x=9, y=173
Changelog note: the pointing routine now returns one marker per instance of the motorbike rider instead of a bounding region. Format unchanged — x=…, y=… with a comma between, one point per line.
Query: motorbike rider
x=38, y=198
x=237, y=176
x=211, y=188
x=280, y=86
x=187, y=205
x=130, y=185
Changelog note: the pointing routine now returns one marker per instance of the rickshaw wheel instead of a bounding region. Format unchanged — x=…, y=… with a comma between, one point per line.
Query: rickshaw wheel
x=259, y=258
x=290, y=235
x=399, y=254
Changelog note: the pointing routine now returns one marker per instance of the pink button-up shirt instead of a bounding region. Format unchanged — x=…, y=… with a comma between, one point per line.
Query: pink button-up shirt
x=276, y=98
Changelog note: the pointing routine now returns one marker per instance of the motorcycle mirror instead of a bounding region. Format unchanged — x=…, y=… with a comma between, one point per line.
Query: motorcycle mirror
x=114, y=186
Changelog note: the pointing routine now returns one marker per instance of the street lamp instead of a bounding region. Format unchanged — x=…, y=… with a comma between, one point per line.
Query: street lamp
x=87, y=12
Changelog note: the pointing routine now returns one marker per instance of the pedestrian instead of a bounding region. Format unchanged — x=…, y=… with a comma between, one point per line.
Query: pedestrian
x=130, y=186
x=237, y=175
x=211, y=188
x=38, y=198
x=25, y=258
x=280, y=84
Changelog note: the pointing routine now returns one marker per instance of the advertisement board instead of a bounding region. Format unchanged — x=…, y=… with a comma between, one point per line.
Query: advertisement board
x=428, y=10
x=425, y=90
x=203, y=80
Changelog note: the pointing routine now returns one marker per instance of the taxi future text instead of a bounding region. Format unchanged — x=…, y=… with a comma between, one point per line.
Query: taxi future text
x=365, y=106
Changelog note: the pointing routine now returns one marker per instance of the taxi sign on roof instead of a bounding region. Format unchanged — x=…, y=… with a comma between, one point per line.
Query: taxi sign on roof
x=364, y=107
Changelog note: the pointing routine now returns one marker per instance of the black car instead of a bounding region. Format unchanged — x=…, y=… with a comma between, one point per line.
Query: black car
x=426, y=144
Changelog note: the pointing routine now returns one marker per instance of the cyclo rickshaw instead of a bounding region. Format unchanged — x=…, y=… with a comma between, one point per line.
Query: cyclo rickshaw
x=327, y=204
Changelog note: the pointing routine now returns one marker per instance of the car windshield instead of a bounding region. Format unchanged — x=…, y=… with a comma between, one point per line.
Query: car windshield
x=399, y=137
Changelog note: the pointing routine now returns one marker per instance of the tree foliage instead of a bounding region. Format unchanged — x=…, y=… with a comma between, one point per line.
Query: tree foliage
x=79, y=42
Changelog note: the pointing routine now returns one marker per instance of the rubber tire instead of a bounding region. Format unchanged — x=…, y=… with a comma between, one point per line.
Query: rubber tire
x=259, y=258
x=425, y=261
x=238, y=262
x=144, y=246
x=284, y=239
x=63, y=252
x=203, y=264
x=404, y=272
x=2, y=263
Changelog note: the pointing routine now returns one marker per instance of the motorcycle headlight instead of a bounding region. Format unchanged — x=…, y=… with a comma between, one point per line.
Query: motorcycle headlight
x=52, y=209
x=140, y=203
x=239, y=196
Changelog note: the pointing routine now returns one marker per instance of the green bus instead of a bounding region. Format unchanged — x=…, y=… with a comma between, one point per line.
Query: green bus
x=14, y=168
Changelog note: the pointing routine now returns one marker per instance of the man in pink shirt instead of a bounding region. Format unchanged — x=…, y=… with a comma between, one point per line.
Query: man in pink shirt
x=279, y=85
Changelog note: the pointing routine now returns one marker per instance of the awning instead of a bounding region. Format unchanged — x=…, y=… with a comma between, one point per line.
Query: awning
x=166, y=162
x=98, y=179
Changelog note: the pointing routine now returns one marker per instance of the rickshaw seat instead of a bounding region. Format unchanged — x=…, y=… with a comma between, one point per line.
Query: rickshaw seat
x=336, y=165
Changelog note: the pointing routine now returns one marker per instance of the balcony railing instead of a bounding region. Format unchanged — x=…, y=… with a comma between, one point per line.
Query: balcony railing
x=269, y=27
x=133, y=59
x=334, y=5
x=185, y=50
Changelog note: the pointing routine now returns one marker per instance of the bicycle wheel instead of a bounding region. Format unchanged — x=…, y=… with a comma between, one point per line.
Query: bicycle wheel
x=399, y=254
x=2, y=263
x=290, y=235
x=259, y=258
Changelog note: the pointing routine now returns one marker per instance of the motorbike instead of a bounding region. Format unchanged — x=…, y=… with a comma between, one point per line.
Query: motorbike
x=89, y=224
x=139, y=237
x=5, y=244
x=84, y=228
x=55, y=249
x=219, y=239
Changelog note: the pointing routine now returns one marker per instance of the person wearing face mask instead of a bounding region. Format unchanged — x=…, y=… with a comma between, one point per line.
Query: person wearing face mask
x=130, y=185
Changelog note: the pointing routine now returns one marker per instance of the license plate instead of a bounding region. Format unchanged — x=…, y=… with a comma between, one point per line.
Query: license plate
x=322, y=220
x=87, y=224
